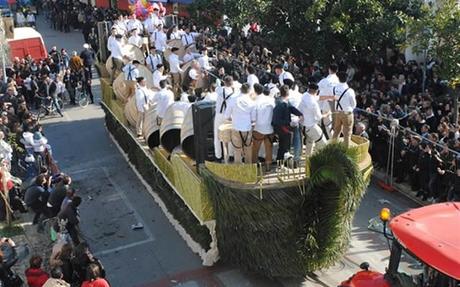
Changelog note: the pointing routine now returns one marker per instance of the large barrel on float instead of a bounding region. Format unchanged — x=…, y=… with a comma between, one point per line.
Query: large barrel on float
x=151, y=129
x=133, y=52
x=187, y=135
x=131, y=111
x=172, y=124
x=121, y=87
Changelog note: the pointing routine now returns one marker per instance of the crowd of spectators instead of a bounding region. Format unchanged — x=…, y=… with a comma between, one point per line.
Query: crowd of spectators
x=387, y=88
x=34, y=182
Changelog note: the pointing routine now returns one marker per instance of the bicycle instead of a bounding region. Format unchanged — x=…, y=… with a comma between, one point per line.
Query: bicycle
x=47, y=106
x=81, y=97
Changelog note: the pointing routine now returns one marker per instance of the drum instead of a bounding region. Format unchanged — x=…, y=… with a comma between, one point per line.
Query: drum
x=187, y=135
x=151, y=129
x=120, y=89
x=225, y=132
x=171, y=125
x=133, y=52
x=131, y=111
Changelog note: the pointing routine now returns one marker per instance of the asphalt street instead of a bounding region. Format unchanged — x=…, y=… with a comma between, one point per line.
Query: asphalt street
x=115, y=199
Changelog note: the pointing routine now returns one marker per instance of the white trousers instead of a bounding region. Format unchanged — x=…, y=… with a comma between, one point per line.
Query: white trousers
x=219, y=119
x=314, y=139
x=139, y=122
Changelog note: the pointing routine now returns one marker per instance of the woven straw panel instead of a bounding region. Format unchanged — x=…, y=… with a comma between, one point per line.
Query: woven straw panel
x=362, y=145
x=241, y=173
x=160, y=157
x=191, y=188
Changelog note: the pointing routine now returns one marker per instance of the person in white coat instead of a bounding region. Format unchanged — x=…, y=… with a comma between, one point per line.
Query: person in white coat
x=144, y=98
x=309, y=107
x=241, y=111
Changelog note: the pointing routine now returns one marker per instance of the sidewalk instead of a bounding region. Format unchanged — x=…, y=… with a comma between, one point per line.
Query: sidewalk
x=402, y=188
x=30, y=242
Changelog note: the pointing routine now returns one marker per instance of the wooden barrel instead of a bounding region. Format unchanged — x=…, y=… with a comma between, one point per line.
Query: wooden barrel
x=225, y=132
x=131, y=111
x=133, y=52
x=151, y=129
x=120, y=89
x=120, y=86
x=187, y=135
x=172, y=124
x=185, y=68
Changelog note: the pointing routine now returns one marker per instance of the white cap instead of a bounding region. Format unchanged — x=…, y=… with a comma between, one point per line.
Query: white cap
x=86, y=46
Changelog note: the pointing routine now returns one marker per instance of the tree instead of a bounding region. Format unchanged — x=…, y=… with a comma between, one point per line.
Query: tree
x=324, y=29
x=438, y=33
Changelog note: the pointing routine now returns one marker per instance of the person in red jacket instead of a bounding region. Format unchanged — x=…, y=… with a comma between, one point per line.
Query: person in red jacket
x=35, y=275
x=94, y=278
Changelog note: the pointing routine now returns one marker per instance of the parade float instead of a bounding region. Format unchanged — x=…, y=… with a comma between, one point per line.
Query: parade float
x=286, y=222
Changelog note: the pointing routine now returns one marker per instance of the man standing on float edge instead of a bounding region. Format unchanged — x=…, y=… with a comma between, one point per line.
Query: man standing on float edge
x=345, y=104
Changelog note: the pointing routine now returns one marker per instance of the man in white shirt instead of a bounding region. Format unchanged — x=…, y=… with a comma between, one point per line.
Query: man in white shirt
x=134, y=23
x=152, y=22
x=345, y=104
x=144, y=99
x=163, y=99
x=158, y=38
x=174, y=68
x=204, y=59
x=252, y=78
x=188, y=37
x=153, y=59
x=158, y=76
x=120, y=26
x=111, y=39
x=263, y=129
x=282, y=74
x=135, y=39
x=131, y=73
x=223, y=95
x=189, y=54
x=312, y=116
x=117, y=56
x=242, y=112
x=326, y=87
x=175, y=34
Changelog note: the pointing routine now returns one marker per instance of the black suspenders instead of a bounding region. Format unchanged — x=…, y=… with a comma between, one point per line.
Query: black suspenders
x=224, y=103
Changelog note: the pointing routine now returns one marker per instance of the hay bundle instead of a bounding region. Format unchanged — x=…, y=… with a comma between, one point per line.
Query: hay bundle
x=289, y=230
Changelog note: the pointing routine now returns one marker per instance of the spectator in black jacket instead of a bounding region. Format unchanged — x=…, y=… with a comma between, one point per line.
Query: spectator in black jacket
x=36, y=197
x=57, y=196
x=71, y=214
